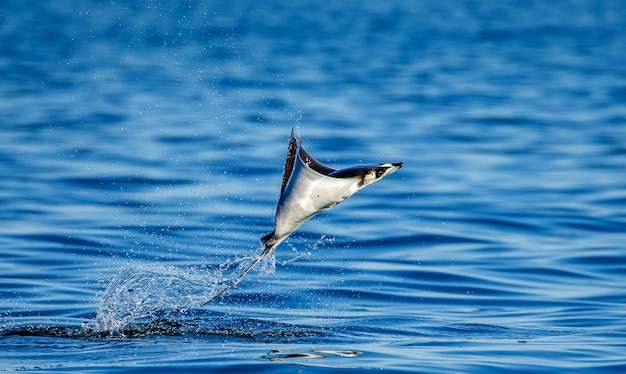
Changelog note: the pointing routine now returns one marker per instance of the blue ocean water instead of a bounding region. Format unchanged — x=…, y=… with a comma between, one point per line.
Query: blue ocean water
x=141, y=153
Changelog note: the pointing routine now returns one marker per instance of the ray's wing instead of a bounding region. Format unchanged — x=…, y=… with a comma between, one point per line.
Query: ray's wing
x=290, y=160
x=311, y=162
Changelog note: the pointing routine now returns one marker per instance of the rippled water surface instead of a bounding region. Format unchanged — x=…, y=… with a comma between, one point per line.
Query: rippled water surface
x=141, y=153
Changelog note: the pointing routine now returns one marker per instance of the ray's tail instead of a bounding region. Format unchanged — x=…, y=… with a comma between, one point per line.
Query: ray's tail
x=266, y=251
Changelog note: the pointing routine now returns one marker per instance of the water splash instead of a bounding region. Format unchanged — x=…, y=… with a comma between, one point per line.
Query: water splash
x=137, y=293
x=307, y=253
x=155, y=291
x=152, y=292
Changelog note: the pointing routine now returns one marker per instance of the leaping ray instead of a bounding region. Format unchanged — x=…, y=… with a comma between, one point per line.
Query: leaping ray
x=310, y=187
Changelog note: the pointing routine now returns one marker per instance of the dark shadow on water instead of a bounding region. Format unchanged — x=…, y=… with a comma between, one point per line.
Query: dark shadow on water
x=218, y=325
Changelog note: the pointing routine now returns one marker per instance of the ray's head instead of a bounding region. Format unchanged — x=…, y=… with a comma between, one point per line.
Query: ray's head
x=379, y=172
